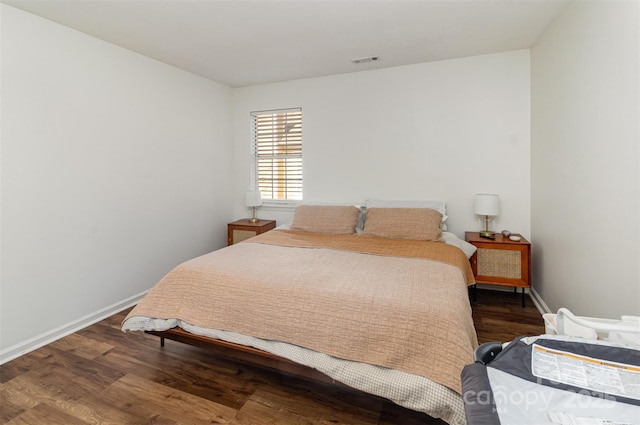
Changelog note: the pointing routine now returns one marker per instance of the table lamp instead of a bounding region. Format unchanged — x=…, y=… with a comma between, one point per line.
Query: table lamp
x=253, y=199
x=487, y=205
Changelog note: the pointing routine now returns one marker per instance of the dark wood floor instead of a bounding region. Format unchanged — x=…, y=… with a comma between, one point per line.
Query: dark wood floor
x=101, y=375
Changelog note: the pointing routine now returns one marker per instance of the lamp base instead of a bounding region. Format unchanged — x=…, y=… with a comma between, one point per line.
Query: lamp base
x=487, y=234
x=254, y=218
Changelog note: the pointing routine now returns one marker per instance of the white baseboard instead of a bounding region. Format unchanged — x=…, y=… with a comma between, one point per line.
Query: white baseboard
x=41, y=340
x=538, y=302
x=535, y=297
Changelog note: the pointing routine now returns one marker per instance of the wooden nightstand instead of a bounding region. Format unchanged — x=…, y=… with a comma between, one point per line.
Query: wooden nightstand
x=244, y=229
x=501, y=261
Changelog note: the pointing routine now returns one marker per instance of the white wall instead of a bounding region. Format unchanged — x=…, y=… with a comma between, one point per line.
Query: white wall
x=447, y=130
x=586, y=160
x=115, y=168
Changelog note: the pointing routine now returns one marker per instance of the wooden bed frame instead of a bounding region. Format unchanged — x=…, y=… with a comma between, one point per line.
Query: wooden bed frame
x=250, y=355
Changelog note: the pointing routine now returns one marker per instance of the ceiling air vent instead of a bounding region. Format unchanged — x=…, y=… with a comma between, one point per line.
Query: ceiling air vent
x=365, y=59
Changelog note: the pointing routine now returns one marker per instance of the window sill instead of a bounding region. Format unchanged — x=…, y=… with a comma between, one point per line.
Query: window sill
x=280, y=206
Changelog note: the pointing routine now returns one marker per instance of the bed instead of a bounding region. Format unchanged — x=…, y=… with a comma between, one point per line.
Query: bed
x=381, y=306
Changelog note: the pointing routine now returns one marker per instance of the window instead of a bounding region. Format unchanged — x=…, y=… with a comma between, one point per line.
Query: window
x=277, y=154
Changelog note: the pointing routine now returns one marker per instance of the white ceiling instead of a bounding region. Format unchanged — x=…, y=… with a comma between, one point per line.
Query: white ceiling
x=241, y=42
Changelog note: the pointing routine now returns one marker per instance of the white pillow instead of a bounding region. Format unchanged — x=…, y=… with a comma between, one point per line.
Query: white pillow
x=452, y=239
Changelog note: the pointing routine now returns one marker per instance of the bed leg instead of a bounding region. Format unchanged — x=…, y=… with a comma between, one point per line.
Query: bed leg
x=161, y=341
x=473, y=293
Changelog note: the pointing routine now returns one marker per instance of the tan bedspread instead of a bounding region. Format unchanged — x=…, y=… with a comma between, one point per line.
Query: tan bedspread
x=388, y=309
x=437, y=251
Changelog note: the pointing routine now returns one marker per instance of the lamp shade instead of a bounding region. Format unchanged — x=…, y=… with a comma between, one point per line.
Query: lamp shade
x=487, y=204
x=253, y=198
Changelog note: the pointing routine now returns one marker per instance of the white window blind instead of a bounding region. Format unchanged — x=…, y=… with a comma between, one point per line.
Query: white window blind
x=277, y=154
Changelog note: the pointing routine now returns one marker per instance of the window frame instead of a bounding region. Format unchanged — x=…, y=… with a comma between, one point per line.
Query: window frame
x=255, y=156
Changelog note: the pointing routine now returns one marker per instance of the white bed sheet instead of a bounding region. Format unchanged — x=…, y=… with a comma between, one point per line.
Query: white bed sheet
x=408, y=390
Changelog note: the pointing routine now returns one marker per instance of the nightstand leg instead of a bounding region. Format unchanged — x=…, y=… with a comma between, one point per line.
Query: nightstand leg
x=523, y=297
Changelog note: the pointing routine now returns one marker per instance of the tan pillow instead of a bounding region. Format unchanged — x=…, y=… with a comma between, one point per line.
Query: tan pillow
x=333, y=219
x=404, y=223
